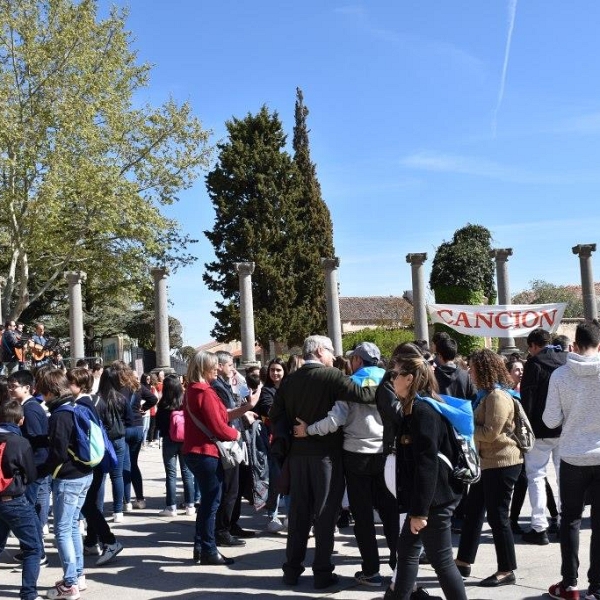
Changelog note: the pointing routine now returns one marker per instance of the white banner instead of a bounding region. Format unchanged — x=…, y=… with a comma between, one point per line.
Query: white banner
x=514, y=320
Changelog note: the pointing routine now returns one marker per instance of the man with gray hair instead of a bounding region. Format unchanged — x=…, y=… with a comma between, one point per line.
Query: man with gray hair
x=315, y=462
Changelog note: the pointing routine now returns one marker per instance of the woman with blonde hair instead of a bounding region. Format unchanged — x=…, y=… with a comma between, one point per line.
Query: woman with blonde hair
x=425, y=490
x=501, y=463
x=201, y=454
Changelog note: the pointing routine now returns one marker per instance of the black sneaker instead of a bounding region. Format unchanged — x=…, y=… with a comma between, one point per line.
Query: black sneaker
x=539, y=538
x=226, y=539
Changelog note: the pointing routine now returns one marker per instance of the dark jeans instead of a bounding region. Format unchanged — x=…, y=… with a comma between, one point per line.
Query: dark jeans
x=97, y=527
x=244, y=488
x=171, y=453
x=131, y=471
x=367, y=490
x=19, y=516
x=116, y=474
x=491, y=494
x=225, y=512
x=437, y=540
x=316, y=490
x=209, y=474
x=575, y=483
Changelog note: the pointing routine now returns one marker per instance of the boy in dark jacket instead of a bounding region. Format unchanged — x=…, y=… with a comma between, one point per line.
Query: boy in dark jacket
x=16, y=512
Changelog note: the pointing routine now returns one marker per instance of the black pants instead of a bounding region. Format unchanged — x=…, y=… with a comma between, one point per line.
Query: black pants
x=316, y=490
x=244, y=488
x=98, y=529
x=491, y=494
x=575, y=482
x=437, y=540
x=367, y=490
x=231, y=482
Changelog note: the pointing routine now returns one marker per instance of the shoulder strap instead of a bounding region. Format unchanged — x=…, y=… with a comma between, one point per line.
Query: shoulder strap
x=200, y=425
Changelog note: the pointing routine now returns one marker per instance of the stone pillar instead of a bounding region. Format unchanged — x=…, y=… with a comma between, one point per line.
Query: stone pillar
x=500, y=255
x=161, y=319
x=416, y=261
x=588, y=291
x=334, y=323
x=74, y=279
x=244, y=271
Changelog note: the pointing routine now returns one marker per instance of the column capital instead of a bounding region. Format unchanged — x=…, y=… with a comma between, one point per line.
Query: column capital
x=329, y=264
x=416, y=258
x=159, y=273
x=584, y=250
x=75, y=277
x=244, y=268
x=501, y=254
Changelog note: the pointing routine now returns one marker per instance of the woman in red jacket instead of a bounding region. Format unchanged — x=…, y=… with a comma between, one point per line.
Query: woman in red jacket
x=202, y=456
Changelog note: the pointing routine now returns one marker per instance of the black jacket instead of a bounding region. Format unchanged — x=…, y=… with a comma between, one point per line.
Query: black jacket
x=454, y=381
x=534, y=388
x=225, y=393
x=140, y=402
x=18, y=462
x=390, y=409
x=423, y=481
x=309, y=393
x=35, y=429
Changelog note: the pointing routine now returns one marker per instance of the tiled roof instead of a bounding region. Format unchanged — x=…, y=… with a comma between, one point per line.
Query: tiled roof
x=375, y=309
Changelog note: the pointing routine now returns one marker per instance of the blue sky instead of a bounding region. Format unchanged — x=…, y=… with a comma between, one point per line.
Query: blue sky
x=424, y=116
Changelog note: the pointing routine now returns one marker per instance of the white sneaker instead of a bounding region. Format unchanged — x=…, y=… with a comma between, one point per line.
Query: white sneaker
x=127, y=507
x=61, y=591
x=141, y=504
x=190, y=511
x=92, y=550
x=81, y=583
x=275, y=525
x=108, y=553
x=168, y=512
x=118, y=518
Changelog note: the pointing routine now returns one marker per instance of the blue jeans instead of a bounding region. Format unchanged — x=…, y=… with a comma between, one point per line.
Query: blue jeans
x=209, y=474
x=131, y=471
x=171, y=451
x=19, y=516
x=38, y=494
x=69, y=496
x=116, y=475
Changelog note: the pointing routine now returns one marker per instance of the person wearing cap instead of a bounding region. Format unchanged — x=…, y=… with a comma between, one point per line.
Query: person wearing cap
x=364, y=463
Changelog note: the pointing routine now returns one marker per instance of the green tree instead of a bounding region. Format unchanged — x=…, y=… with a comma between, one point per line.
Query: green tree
x=542, y=292
x=85, y=171
x=315, y=237
x=385, y=338
x=254, y=191
x=463, y=273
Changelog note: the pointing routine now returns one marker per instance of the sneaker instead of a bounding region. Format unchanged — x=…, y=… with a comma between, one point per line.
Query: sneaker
x=275, y=525
x=60, y=590
x=81, y=583
x=422, y=594
x=560, y=592
x=127, y=507
x=539, y=538
x=141, y=504
x=375, y=580
x=109, y=552
x=118, y=518
x=190, y=511
x=92, y=550
x=168, y=512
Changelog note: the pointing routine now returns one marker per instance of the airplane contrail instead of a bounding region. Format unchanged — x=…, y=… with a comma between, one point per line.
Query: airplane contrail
x=512, y=12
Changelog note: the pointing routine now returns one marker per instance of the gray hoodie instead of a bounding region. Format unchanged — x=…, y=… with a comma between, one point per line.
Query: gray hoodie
x=573, y=401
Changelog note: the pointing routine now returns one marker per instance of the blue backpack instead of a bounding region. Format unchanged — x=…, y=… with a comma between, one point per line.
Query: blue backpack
x=92, y=446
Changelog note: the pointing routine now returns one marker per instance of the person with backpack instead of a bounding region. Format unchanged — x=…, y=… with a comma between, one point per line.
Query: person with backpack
x=170, y=421
x=501, y=464
x=98, y=530
x=71, y=481
x=17, y=514
x=425, y=488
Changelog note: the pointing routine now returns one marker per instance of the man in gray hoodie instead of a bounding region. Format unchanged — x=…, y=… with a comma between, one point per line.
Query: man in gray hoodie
x=573, y=402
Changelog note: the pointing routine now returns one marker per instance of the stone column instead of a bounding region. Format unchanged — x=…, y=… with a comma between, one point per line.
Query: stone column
x=588, y=291
x=416, y=261
x=244, y=271
x=74, y=279
x=500, y=255
x=334, y=323
x=161, y=319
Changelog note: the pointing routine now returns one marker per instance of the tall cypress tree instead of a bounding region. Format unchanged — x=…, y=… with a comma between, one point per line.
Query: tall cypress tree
x=314, y=235
x=254, y=190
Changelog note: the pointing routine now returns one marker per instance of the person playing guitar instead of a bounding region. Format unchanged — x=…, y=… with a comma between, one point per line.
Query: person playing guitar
x=40, y=354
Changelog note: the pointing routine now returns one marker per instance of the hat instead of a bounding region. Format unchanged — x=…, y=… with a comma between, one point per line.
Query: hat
x=367, y=351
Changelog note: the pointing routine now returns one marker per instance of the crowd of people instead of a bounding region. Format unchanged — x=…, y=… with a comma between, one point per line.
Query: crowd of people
x=321, y=432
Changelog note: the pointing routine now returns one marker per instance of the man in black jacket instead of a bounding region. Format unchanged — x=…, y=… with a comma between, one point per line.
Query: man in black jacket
x=544, y=359
x=315, y=462
x=452, y=380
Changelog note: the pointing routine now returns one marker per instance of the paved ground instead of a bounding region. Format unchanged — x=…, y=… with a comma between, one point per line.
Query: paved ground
x=156, y=562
